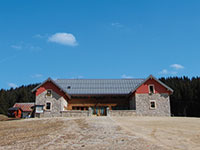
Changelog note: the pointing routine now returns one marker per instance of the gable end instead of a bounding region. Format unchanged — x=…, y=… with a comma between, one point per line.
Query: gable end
x=159, y=87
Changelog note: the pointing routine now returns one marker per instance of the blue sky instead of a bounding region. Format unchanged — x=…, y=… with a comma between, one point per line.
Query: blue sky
x=97, y=39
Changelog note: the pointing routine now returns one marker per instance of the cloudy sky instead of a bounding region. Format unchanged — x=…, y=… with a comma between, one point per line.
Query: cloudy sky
x=97, y=39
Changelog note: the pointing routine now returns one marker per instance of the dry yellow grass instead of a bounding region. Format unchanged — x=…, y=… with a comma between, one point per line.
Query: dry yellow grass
x=94, y=133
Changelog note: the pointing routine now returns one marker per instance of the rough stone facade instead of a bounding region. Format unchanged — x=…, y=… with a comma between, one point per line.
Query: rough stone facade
x=74, y=113
x=143, y=104
x=58, y=103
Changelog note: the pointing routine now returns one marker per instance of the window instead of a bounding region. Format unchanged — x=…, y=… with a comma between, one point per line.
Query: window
x=79, y=108
x=151, y=89
x=152, y=104
x=48, y=106
x=49, y=93
x=39, y=108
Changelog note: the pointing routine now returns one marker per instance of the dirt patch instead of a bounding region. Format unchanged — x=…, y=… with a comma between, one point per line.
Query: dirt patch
x=169, y=132
x=93, y=133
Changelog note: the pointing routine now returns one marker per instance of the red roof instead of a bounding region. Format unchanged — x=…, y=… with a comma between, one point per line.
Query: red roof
x=24, y=106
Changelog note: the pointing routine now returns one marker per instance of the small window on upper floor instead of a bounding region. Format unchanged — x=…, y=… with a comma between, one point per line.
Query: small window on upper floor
x=151, y=89
x=49, y=93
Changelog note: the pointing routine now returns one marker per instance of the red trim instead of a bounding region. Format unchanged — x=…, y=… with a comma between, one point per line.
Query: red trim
x=158, y=88
x=49, y=85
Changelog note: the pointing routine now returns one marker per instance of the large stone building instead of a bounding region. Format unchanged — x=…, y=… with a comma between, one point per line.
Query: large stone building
x=85, y=97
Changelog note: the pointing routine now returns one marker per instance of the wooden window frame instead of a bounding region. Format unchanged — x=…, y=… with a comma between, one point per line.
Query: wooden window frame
x=153, y=88
x=153, y=108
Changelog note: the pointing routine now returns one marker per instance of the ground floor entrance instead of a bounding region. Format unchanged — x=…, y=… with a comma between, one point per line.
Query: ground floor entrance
x=99, y=111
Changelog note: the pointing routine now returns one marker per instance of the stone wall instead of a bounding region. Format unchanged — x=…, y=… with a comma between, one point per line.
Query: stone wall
x=74, y=113
x=122, y=113
x=56, y=104
x=143, y=104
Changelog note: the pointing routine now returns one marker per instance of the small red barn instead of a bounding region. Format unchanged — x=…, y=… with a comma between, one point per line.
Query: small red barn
x=21, y=110
x=26, y=108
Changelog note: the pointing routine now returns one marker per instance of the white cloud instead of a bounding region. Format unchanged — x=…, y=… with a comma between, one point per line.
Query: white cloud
x=12, y=85
x=16, y=46
x=173, y=71
x=164, y=71
x=38, y=36
x=176, y=66
x=63, y=38
x=126, y=76
x=25, y=46
x=37, y=76
x=116, y=24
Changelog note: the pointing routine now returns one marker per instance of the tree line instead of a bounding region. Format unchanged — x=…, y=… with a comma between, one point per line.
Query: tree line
x=18, y=95
x=185, y=101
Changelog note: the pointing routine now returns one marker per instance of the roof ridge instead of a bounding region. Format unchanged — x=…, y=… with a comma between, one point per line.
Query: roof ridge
x=103, y=79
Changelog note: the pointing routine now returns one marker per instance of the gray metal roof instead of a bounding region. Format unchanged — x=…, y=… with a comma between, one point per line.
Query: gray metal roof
x=98, y=86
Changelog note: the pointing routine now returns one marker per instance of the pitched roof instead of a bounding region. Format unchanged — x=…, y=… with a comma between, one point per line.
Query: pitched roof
x=24, y=106
x=98, y=86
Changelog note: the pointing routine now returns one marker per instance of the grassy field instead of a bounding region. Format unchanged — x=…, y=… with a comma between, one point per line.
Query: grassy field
x=109, y=133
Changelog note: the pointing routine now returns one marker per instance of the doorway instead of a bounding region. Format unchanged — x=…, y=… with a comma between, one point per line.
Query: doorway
x=99, y=111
